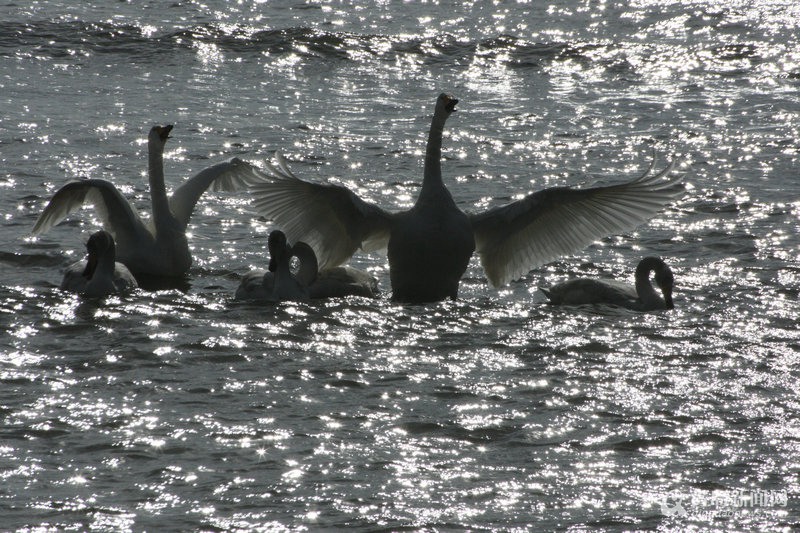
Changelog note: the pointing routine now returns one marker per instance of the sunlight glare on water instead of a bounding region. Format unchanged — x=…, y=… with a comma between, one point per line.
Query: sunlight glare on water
x=176, y=407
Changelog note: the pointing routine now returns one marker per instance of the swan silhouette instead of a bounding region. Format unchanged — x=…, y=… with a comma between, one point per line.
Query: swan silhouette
x=335, y=282
x=430, y=245
x=99, y=274
x=157, y=247
x=278, y=283
x=641, y=297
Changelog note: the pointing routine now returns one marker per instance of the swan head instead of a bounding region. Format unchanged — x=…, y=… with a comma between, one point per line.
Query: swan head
x=99, y=244
x=279, y=250
x=159, y=134
x=446, y=104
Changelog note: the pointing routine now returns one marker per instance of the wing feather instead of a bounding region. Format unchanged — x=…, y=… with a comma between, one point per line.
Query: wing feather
x=229, y=176
x=328, y=217
x=515, y=238
x=115, y=212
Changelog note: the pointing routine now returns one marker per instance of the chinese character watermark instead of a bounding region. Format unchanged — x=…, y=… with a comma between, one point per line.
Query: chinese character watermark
x=716, y=504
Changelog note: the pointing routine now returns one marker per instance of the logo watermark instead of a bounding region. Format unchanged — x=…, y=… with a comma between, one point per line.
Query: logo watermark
x=722, y=503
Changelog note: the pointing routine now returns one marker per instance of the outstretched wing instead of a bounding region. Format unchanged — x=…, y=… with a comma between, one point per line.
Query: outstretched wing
x=520, y=236
x=232, y=175
x=330, y=218
x=116, y=214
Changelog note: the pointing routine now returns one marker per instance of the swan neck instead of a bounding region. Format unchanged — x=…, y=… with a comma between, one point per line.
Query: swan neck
x=158, y=190
x=106, y=263
x=283, y=278
x=432, y=177
x=645, y=290
x=309, y=267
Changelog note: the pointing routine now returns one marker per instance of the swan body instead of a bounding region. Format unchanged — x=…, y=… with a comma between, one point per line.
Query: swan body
x=429, y=249
x=158, y=246
x=278, y=284
x=99, y=275
x=640, y=297
x=336, y=282
x=257, y=284
x=430, y=245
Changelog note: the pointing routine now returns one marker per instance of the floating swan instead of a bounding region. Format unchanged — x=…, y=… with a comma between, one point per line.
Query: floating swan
x=642, y=297
x=430, y=245
x=335, y=282
x=157, y=247
x=278, y=284
x=99, y=275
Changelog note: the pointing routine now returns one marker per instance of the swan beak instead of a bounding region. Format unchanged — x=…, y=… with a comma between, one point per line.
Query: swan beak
x=163, y=131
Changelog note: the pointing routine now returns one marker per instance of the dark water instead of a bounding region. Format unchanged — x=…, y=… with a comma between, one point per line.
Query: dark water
x=183, y=410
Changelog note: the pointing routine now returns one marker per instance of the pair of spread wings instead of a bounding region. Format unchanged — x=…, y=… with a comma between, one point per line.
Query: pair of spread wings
x=121, y=219
x=511, y=239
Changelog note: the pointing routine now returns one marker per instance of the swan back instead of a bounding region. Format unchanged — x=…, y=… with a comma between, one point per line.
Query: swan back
x=336, y=282
x=256, y=285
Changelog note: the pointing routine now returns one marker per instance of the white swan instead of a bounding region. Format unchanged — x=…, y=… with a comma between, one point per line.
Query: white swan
x=278, y=284
x=99, y=274
x=430, y=245
x=335, y=282
x=641, y=297
x=157, y=247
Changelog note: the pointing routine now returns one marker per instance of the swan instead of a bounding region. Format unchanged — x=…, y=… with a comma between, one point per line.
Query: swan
x=157, y=247
x=99, y=275
x=642, y=297
x=335, y=282
x=430, y=245
x=278, y=284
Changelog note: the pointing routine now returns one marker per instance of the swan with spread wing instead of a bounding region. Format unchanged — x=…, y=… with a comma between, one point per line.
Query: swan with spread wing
x=158, y=246
x=430, y=245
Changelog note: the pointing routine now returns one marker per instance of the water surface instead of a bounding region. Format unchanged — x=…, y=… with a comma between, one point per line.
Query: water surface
x=180, y=409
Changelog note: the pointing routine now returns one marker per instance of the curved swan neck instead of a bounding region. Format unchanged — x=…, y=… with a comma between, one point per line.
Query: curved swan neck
x=309, y=267
x=644, y=287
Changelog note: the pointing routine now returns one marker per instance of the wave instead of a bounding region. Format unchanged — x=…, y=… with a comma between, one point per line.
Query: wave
x=77, y=38
x=31, y=260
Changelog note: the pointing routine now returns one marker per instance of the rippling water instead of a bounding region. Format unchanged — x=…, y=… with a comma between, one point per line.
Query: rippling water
x=178, y=409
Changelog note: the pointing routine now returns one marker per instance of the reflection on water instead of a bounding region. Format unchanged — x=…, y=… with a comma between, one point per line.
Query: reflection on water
x=448, y=414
